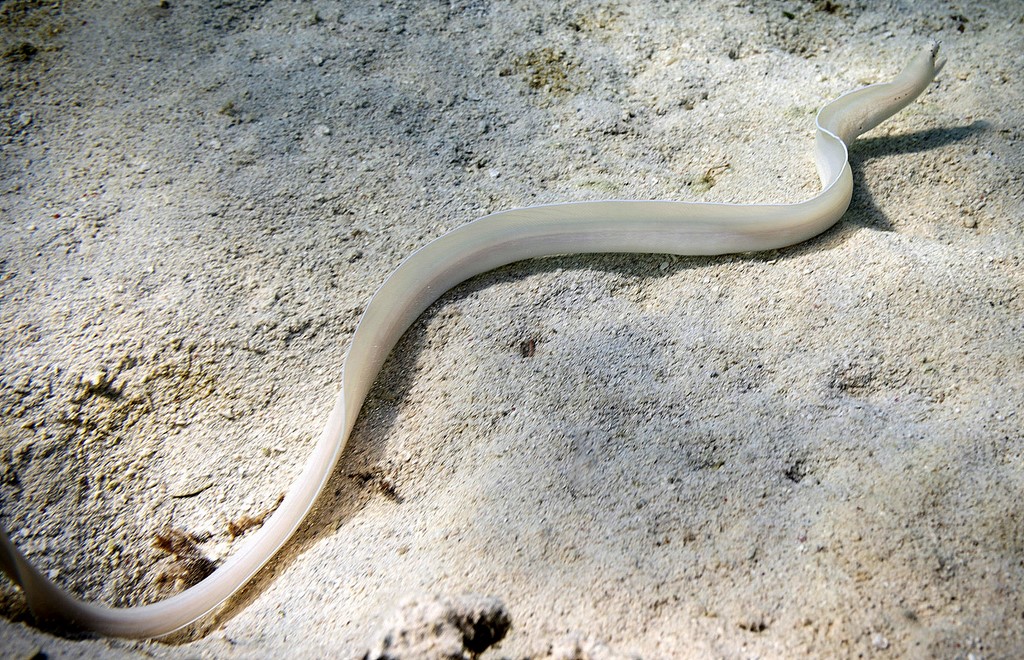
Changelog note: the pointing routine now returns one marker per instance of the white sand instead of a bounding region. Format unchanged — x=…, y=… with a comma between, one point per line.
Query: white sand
x=816, y=451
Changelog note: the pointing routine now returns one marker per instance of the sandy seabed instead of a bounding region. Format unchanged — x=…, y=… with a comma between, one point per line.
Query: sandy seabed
x=815, y=451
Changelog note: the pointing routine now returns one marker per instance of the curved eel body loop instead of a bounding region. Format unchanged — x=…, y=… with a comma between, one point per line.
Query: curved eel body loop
x=489, y=242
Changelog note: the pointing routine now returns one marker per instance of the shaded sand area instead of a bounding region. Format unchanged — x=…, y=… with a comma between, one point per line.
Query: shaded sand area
x=813, y=451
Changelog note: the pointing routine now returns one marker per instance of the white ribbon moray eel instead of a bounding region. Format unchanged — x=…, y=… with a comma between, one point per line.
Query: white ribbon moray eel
x=681, y=228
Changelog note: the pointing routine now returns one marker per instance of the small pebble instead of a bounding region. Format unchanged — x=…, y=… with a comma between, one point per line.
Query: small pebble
x=95, y=380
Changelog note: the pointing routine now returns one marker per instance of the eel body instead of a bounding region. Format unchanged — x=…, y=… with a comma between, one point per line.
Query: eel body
x=489, y=242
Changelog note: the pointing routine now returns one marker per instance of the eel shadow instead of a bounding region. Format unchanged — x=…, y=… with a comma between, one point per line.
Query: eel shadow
x=864, y=212
x=346, y=492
